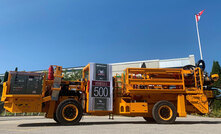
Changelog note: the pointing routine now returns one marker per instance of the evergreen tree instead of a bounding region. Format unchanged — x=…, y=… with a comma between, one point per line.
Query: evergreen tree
x=6, y=76
x=216, y=70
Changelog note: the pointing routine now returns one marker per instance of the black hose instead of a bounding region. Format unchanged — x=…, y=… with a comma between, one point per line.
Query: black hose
x=201, y=64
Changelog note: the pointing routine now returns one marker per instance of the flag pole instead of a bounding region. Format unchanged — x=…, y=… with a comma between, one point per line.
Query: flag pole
x=201, y=55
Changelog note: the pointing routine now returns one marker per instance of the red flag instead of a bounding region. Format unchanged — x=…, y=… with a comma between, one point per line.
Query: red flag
x=198, y=15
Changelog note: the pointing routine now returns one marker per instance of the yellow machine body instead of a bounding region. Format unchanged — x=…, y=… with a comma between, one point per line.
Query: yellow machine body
x=138, y=89
x=135, y=92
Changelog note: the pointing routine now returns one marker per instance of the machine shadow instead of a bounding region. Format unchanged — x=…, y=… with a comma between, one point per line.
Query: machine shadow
x=81, y=123
x=118, y=122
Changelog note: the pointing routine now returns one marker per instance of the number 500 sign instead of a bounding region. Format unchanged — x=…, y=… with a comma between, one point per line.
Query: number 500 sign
x=100, y=89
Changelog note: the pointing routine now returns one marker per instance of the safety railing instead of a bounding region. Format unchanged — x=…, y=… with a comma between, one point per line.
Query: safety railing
x=164, y=80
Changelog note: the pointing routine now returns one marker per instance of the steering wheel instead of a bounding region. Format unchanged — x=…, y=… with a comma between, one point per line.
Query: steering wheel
x=189, y=67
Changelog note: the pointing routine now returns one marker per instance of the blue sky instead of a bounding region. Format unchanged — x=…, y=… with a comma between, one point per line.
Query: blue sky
x=36, y=34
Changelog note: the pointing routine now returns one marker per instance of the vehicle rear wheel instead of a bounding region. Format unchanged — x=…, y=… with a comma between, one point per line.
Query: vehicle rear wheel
x=149, y=119
x=164, y=112
x=69, y=112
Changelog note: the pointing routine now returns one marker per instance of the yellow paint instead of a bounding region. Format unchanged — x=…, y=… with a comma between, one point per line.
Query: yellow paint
x=199, y=101
x=209, y=93
x=20, y=104
x=135, y=93
x=48, y=98
x=138, y=107
x=51, y=109
x=215, y=77
x=181, y=106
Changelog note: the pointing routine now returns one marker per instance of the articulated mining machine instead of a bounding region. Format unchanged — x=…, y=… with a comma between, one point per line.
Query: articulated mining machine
x=156, y=94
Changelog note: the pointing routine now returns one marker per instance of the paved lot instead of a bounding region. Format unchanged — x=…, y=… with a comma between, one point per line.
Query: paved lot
x=102, y=125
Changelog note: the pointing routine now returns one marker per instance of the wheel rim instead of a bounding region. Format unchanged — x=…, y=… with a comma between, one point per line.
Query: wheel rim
x=165, y=112
x=70, y=112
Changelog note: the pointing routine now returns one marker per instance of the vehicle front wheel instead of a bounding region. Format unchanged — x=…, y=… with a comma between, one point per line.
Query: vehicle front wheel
x=55, y=118
x=69, y=112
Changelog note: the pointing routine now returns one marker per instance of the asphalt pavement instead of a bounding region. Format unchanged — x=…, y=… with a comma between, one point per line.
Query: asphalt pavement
x=103, y=125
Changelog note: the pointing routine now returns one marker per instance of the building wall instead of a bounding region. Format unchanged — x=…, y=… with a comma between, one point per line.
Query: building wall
x=118, y=68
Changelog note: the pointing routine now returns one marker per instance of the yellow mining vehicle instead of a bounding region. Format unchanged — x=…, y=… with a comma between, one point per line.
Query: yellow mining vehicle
x=152, y=93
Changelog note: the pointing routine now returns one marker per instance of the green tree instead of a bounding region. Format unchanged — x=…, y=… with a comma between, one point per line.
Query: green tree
x=73, y=75
x=216, y=70
x=16, y=69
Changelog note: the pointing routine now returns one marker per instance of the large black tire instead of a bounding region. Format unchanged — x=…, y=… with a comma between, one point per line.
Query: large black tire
x=2, y=107
x=149, y=119
x=69, y=112
x=164, y=112
x=55, y=118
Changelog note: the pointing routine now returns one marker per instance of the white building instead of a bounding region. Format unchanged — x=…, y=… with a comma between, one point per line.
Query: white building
x=168, y=63
x=118, y=68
